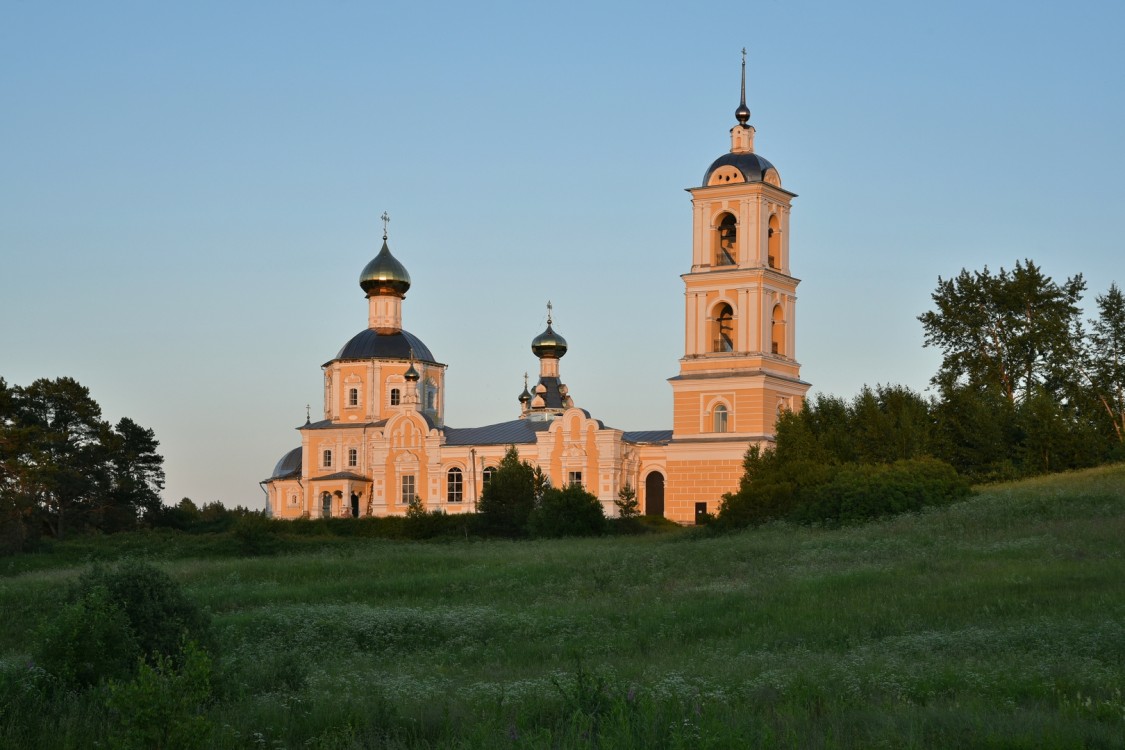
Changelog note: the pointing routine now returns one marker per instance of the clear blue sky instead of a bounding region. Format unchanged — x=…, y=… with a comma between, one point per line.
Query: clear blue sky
x=189, y=191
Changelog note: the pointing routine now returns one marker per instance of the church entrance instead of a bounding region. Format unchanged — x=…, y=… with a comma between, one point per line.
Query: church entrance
x=326, y=505
x=355, y=505
x=654, y=494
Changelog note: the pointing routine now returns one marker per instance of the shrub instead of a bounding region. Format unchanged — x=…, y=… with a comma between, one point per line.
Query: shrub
x=117, y=616
x=88, y=641
x=255, y=534
x=162, y=706
x=567, y=512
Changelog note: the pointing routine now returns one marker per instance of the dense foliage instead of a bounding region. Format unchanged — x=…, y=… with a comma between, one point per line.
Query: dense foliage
x=63, y=468
x=570, y=511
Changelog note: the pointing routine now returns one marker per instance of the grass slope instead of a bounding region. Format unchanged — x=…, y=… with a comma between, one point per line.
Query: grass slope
x=997, y=622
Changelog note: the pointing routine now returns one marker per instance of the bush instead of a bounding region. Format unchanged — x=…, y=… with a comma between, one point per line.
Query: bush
x=255, y=534
x=509, y=497
x=567, y=512
x=90, y=640
x=862, y=492
x=162, y=707
x=115, y=617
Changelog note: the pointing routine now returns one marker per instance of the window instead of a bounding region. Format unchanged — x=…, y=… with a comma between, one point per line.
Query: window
x=725, y=242
x=486, y=475
x=293, y=500
x=327, y=458
x=723, y=327
x=777, y=331
x=408, y=495
x=574, y=478
x=396, y=397
x=454, y=485
x=719, y=418
x=353, y=457
x=773, y=243
x=353, y=397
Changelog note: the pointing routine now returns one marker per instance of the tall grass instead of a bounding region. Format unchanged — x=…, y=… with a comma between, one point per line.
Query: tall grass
x=997, y=622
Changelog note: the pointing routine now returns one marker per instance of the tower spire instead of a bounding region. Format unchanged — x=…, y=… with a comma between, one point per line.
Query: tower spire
x=742, y=114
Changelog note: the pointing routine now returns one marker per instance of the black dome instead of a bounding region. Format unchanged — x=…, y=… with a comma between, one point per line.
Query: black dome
x=367, y=344
x=289, y=465
x=752, y=166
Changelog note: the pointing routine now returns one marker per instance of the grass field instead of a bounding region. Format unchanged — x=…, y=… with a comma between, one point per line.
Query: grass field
x=997, y=622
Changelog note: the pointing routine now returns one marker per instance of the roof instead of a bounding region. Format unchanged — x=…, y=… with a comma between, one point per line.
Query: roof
x=342, y=475
x=647, y=436
x=518, y=431
x=752, y=166
x=367, y=344
x=288, y=466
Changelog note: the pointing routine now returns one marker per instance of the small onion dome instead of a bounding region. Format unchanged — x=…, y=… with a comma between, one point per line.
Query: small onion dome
x=525, y=396
x=548, y=345
x=385, y=275
x=411, y=375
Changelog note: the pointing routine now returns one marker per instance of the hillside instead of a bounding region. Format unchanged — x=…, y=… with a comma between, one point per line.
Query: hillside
x=999, y=621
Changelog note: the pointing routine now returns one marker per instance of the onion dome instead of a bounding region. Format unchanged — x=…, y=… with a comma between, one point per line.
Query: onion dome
x=526, y=395
x=411, y=375
x=548, y=344
x=384, y=275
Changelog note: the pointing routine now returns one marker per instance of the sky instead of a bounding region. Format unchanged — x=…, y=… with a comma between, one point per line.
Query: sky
x=188, y=191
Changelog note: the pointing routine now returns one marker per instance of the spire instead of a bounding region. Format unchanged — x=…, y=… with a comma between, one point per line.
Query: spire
x=742, y=114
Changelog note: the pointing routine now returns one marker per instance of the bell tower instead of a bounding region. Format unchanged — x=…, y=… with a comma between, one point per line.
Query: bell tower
x=739, y=367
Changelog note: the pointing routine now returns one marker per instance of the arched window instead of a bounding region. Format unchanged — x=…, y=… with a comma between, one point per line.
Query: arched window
x=723, y=329
x=454, y=485
x=353, y=397
x=486, y=475
x=777, y=331
x=327, y=456
x=353, y=457
x=719, y=418
x=773, y=243
x=396, y=397
x=726, y=237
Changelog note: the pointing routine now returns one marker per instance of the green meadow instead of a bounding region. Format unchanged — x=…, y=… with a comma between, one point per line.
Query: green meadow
x=997, y=622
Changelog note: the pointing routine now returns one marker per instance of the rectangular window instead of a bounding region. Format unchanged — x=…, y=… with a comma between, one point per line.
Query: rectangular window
x=353, y=457
x=407, y=489
x=395, y=397
x=574, y=477
x=353, y=397
x=454, y=486
x=327, y=458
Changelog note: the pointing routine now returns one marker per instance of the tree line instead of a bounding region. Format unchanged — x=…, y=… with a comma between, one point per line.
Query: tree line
x=64, y=469
x=1025, y=386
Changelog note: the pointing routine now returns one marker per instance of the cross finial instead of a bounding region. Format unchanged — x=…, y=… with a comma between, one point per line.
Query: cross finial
x=525, y=381
x=742, y=114
x=386, y=219
x=549, y=308
x=307, y=413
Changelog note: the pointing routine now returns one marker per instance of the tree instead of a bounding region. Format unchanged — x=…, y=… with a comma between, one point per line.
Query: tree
x=627, y=504
x=509, y=497
x=1105, y=358
x=571, y=511
x=1012, y=331
x=63, y=467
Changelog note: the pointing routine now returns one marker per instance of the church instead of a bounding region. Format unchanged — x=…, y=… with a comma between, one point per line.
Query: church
x=383, y=442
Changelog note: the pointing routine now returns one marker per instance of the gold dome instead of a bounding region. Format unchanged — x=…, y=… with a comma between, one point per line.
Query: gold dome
x=385, y=275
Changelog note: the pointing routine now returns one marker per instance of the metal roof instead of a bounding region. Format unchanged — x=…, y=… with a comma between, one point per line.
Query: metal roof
x=342, y=475
x=328, y=424
x=752, y=166
x=288, y=466
x=367, y=344
x=647, y=436
x=518, y=431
